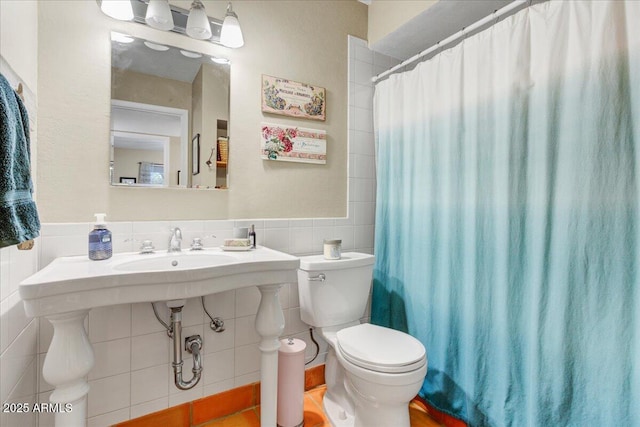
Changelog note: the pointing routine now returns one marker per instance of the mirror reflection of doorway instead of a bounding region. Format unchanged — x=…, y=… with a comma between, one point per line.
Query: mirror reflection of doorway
x=148, y=142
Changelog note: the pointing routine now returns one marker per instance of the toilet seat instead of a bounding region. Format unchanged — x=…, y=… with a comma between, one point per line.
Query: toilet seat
x=380, y=349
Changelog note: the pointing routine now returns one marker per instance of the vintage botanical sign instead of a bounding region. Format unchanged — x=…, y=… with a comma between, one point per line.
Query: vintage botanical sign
x=293, y=144
x=289, y=98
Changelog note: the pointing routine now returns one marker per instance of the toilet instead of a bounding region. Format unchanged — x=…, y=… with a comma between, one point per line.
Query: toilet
x=371, y=372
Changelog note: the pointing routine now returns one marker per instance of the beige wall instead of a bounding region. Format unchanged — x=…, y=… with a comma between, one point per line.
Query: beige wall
x=300, y=40
x=386, y=16
x=19, y=38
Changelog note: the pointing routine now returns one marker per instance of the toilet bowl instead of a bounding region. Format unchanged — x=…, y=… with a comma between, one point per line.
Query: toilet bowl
x=371, y=372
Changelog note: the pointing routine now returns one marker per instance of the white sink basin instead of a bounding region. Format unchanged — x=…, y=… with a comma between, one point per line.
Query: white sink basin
x=75, y=283
x=174, y=261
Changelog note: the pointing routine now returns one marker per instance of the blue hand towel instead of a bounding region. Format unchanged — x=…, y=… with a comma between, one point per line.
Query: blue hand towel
x=18, y=214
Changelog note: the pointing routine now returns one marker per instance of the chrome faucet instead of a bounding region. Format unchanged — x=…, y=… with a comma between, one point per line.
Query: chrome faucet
x=175, y=242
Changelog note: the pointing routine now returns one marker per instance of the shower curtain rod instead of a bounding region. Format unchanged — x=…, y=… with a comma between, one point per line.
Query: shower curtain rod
x=510, y=8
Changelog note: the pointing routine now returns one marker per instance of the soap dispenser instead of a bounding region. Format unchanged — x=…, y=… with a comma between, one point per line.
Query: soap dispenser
x=100, y=240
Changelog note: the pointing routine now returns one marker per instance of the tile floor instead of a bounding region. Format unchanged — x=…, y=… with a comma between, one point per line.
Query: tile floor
x=313, y=414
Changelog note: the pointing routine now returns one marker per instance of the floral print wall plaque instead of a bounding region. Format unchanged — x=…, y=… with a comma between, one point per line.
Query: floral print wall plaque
x=295, y=99
x=293, y=144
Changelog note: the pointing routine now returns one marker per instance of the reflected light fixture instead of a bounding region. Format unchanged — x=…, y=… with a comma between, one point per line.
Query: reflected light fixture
x=159, y=15
x=190, y=54
x=219, y=60
x=198, y=26
x=156, y=46
x=231, y=33
x=117, y=9
x=121, y=38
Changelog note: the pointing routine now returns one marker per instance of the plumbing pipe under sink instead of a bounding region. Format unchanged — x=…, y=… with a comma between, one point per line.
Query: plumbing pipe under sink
x=193, y=344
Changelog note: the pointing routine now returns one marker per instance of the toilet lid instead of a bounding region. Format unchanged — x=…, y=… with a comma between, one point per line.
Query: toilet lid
x=380, y=349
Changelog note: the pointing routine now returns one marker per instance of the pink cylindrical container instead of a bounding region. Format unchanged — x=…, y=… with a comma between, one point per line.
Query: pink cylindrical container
x=291, y=383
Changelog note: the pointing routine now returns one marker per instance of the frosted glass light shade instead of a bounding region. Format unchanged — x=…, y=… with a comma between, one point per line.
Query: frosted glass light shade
x=159, y=15
x=198, y=26
x=231, y=33
x=117, y=9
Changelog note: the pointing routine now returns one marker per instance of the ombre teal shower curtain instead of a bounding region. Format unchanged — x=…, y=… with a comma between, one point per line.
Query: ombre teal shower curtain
x=507, y=220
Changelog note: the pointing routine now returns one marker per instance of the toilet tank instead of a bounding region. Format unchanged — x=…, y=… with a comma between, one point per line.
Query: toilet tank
x=343, y=294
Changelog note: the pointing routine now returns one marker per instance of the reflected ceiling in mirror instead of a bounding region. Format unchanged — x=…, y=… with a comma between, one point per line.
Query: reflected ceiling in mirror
x=163, y=98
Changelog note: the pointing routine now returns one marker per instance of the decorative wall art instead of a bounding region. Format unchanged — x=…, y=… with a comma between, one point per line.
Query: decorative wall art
x=293, y=144
x=294, y=99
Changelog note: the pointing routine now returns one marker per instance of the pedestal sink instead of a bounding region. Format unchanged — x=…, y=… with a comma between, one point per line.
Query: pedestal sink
x=69, y=287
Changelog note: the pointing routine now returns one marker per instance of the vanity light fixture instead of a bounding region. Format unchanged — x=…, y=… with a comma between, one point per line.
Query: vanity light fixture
x=195, y=23
x=159, y=15
x=117, y=9
x=231, y=33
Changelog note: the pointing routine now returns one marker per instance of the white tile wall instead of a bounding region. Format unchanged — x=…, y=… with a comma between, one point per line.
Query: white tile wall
x=18, y=337
x=132, y=375
x=109, y=394
x=150, y=384
x=18, y=333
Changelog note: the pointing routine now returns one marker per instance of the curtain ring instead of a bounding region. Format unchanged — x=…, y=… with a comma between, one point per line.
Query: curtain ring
x=496, y=17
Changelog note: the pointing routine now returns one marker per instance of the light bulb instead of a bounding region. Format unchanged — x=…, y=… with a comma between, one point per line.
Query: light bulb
x=231, y=33
x=118, y=9
x=198, y=26
x=159, y=15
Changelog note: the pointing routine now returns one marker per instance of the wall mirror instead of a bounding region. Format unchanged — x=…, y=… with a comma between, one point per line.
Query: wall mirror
x=162, y=98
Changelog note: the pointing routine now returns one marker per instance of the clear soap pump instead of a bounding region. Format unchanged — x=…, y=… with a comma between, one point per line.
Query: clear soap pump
x=100, y=240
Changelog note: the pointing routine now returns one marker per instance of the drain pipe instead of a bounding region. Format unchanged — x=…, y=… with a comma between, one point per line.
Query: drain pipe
x=193, y=345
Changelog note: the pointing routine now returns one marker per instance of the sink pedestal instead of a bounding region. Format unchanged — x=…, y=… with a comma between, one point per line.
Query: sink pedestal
x=66, y=366
x=70, y=359
x=269, y=325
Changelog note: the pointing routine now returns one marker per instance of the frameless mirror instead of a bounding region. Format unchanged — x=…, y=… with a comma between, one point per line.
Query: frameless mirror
x=169, y=116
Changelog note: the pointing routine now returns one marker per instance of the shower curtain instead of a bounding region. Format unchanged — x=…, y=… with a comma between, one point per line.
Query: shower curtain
x=507, y=219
